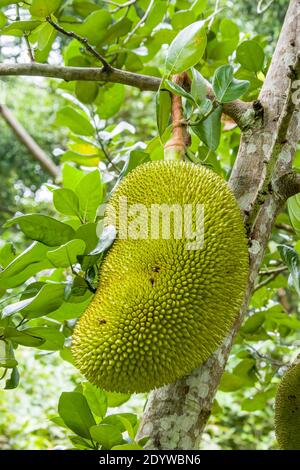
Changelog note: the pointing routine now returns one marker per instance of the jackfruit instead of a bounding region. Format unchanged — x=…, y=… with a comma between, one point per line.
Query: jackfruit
x=161, y=308
x=287, y=409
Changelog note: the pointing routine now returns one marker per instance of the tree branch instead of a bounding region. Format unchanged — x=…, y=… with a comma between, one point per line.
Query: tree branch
x=243, y=113
x=83, y=41
x=35, y=150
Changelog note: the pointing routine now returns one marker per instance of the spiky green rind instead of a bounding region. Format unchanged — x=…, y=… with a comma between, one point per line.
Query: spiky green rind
x=287, y=409
x=161, y=310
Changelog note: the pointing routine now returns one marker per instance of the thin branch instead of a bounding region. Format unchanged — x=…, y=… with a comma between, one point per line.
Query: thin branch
x=99, y=140
x=141, y=22
x=285, y=227
x=35, y=150
x=29, y=50
x=270, y=278
x=123, y=5
x=82, y=40
x=267, y=272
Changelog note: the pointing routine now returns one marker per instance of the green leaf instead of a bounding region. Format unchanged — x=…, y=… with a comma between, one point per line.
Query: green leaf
x=291, y=259
x=94, y=27
x=163, y=110
x=17, y=28
x=256, y=402
x=294, y=212
x=87, y=233
x=66, y=255
x=86, y=91
x=27, y=264
x=226, y=87
x=90, y=193
x=13, y=380
x=43, y=8
x=3, y=19
x=198, y=87
x=250, y=55
x=77, y=122
x=110, y=100
x=209, y=131
x=73, y=408
x=178, y=90
x=66, y=201
x=43, y=228
x=7, y=356
x=182, y=18
x=106, y=435
x=253, y=323
x=106, y=239
x=7, y=254
x=131, y=446
x=22, y=337
x=52, y=338
x=187, y=48
x=48, y=299
x=96, y=398
x=231, y=382
x=71, y=176
x=116, y=399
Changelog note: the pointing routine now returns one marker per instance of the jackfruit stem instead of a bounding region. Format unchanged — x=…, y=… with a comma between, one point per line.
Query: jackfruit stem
x=175, y=148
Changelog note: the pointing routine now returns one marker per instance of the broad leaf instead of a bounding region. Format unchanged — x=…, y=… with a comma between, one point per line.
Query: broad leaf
x=250, y=55
x=226, y=87
x=66, y=255
x=43, y=228
x=90, y=193
x=163, y=110
x=187, y=48
x=209, y=131
x=73, y=408
x=66, y=201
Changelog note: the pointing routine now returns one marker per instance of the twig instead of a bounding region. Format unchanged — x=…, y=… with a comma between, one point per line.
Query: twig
x=99, y=140
x=31, y=57
x=83, y=41
x=275, y=362
x=124, y=5
x=285, y=227
x=142, y=20
x=273, y=271
x=269, y=279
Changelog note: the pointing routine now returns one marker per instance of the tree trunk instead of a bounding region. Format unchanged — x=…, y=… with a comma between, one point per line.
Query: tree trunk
x=261, y=180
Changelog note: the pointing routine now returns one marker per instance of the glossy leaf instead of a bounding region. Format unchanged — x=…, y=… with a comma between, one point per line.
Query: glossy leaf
x=90, y=193
x=75, y=121
x=209, y=131
x=187, y=48
x=163, y=110
x=73, y=408
x=43, y=228
x=66, y=201
x=250, y=55
x=226, y=87
x=66, y=255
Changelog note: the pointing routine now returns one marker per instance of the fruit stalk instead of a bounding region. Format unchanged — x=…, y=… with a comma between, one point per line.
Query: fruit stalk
x=175, y=147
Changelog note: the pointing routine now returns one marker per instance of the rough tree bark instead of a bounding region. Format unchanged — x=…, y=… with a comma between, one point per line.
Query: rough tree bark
x=261, y=180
